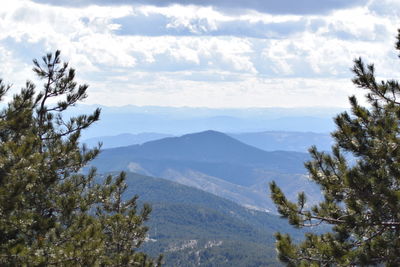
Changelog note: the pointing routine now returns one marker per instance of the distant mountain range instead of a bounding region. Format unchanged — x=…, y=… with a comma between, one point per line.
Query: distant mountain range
x=125, y=139
x=178, y=121
x=217, y=163
x=267, y=140
x=194, y=228
x=283, y=140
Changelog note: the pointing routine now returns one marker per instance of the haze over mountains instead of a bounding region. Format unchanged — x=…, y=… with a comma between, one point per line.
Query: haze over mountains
x=178, y=121
x=216, y=163
x=125, y=139
x=268, y=140
x=284, y=140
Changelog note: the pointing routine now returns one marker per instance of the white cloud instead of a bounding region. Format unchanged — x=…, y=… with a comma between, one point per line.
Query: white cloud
x=9, y=73
x=165, y=90
x=385, y=8
x=199, y=55
x=235, y=6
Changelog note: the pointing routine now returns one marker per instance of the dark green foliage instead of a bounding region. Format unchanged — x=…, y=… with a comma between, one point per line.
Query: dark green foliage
x=361, y=199
x=50, y=213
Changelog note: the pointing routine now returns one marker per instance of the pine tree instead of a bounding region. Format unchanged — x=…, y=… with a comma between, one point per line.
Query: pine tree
x=361, y=196
x=51, y=214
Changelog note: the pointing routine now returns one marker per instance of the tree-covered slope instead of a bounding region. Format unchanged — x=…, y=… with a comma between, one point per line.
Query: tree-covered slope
x=190, y=226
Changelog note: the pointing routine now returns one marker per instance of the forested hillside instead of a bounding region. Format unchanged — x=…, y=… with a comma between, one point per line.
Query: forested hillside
x=190, y=226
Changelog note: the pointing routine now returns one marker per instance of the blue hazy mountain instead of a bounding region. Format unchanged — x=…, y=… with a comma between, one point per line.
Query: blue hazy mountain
x=207, y=147
x=216, y=163
x=289, y=141
x=125, y=139
x=178, y=121
x=267, y=140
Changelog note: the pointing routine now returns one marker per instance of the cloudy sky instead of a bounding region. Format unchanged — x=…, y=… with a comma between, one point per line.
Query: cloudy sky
x=214, y=53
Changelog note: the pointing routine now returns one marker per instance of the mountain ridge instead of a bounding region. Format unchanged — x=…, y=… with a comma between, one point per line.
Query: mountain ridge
x=211, y=146
x=177, y=121
x=216, y=163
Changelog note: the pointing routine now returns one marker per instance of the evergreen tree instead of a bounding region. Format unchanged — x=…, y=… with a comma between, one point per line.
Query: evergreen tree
x=51, y=214
x=361, y=197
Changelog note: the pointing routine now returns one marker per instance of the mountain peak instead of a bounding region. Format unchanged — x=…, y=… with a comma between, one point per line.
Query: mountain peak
x=208, y=142
x=210, y=152
x=209, y=134
x=207, y=146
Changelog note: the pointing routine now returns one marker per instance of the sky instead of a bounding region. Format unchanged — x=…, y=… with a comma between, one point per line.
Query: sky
x=204, y=53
